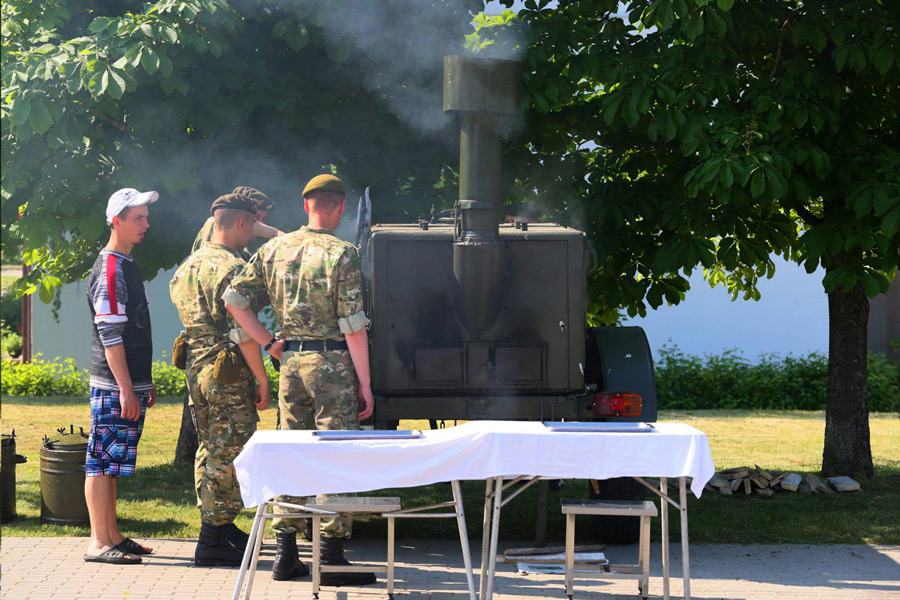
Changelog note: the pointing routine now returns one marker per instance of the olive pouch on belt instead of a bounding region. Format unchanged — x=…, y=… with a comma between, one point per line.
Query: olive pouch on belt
x=179, y=351
x=229, y=365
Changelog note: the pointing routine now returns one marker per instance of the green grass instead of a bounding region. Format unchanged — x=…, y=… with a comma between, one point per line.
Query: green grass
x=159, y=500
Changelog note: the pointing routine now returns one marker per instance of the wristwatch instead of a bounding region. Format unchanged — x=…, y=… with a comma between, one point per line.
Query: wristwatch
x=270, y=344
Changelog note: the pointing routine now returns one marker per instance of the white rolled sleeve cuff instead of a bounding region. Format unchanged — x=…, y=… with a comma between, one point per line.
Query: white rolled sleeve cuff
x=239, y=336
x=353, y=323
x=234, y=299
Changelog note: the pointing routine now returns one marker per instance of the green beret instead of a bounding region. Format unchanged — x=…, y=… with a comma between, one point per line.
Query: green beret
x=324, y=183
x=234, y=202
x=262, y=201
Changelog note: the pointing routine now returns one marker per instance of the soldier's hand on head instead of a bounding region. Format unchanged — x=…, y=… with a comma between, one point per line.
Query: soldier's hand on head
x=263, y=397
x=152, y=399
x=277, y=349
x=366, y=402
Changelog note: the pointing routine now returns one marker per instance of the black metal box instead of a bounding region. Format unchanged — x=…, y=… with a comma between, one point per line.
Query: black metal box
x=421, y=348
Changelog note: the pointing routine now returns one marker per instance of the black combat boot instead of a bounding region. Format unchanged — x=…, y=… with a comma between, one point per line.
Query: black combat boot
x=235, y=537
x=287, y=563
x=212, y=549
x=333, y=555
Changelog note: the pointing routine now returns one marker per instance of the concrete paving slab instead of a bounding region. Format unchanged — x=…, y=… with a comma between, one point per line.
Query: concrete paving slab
x=52, y=568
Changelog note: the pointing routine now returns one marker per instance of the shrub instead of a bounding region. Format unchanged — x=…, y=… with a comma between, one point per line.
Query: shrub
x=43, y=378
x=683, y=382
x=884, y=384
x=728, y=380
x=11, y=311
x=10, y=343
x=273, y=379
x=168, y=379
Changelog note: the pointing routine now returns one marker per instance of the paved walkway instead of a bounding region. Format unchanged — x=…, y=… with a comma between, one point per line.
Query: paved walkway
x=52, y=568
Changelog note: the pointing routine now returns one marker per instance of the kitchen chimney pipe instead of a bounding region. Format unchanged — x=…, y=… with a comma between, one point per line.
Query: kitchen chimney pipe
x=481, y=91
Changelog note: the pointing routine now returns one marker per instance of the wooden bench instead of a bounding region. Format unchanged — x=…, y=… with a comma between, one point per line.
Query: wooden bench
x=645, y=510
x=355, y=506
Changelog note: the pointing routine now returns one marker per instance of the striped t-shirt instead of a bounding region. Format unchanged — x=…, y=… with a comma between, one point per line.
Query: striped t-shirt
x=121, y=316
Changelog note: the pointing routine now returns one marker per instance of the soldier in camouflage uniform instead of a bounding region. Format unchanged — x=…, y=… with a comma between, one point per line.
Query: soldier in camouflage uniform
x=224, y=409
x=313, y=281
x=262, y=232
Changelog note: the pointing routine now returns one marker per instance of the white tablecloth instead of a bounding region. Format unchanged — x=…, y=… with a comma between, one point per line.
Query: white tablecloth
x=296, y=463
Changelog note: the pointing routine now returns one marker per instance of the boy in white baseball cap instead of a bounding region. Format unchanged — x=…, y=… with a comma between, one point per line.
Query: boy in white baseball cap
x=121, y=383
x=127, y=198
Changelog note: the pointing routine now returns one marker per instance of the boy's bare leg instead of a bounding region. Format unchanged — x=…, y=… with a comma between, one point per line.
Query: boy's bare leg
x=100, y=496
x=115, y=534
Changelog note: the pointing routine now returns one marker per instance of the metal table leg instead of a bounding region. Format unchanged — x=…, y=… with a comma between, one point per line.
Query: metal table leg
x=495, y=536
x=317, y=555
x=463, y=537
x=664, y=524
x=255, y=560
x=390, y=558
x=485, y=537
x=255, y=530
x=685, y=559
x=570, y=554
x=645, y=557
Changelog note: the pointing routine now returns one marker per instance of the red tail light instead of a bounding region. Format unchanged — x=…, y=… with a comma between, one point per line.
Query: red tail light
x=617, y=404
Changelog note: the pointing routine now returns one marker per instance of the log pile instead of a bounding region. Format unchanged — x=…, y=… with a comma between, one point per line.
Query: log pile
x=756, y=480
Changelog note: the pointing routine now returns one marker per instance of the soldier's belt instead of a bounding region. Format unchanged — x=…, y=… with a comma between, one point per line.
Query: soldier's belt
x=314, y=345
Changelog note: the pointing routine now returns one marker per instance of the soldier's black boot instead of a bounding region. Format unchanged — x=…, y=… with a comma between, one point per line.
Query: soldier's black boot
x=333, y=554
x=287, y=564
x=212, y=549
x=236, y=537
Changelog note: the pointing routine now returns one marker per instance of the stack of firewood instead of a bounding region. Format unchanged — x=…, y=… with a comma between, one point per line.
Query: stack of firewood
x=765, y=483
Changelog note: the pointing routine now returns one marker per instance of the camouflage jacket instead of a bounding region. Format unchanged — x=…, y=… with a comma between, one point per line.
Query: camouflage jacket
x=196, y=291
x=312, y=279
x=206, y=233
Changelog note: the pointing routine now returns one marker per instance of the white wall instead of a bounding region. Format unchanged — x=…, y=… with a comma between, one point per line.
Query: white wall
x=791, y=317
x=71, y=336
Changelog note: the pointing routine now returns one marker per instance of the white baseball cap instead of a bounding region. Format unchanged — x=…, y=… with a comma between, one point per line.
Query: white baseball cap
x=126, y=198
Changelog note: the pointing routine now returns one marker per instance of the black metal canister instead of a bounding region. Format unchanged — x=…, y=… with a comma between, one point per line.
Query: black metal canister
x=62, y=478
x=8, y=461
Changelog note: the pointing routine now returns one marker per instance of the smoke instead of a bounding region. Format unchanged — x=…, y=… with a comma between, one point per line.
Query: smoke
x=396, y=52
x=400, y=46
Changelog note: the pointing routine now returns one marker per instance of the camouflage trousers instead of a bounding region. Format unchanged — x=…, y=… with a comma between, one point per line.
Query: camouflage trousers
x=225, y=418
x=317, y=390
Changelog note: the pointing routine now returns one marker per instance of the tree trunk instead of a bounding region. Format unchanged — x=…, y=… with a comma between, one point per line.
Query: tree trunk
x=847, y=448
x=187, y=444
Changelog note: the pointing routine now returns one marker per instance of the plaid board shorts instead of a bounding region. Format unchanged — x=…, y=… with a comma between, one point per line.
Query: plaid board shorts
x=112, y=445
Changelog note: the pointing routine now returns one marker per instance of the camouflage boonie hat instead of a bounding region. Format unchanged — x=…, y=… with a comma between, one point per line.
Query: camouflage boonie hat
x=324, y=183
x=234, y=202
x=262, y=201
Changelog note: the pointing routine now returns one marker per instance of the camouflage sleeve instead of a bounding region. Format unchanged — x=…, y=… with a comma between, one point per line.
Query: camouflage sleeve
x=204, y=235
x=236, y=333
x=349, y=300
x=248, y=284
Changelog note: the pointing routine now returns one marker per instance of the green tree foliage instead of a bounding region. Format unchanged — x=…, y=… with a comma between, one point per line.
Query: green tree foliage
x=194, y=97
x=687, y=134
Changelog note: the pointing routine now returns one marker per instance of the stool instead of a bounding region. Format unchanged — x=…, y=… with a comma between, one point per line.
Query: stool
x=353, y=505
x=624, y=508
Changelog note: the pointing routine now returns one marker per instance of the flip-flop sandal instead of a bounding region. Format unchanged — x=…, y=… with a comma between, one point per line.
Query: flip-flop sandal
x=113, y=556
x=132, y=547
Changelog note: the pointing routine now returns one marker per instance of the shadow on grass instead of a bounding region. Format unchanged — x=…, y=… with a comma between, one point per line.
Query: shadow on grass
x=167, y=483
x=149, y=504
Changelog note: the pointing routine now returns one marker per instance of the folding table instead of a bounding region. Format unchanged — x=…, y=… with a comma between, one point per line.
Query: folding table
x=296, y=463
